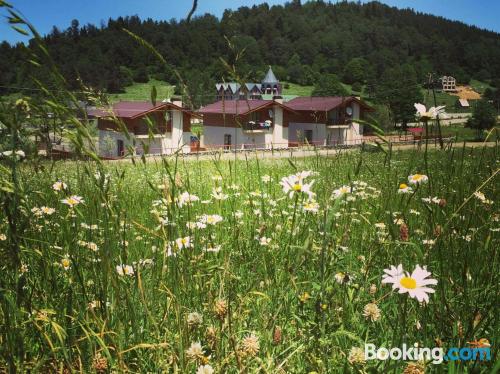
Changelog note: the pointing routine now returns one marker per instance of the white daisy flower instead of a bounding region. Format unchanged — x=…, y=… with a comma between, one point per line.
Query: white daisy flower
x=415, y=284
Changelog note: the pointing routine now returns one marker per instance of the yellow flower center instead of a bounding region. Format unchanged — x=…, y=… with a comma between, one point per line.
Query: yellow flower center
x=65, y=262
x=183, y=240
x=417, y=177
x=297, y=187
x=408, y=282
x=403, y=186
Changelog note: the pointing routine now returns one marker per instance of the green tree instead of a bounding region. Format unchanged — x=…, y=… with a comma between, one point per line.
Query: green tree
x=354, y=71
x=483, y=117
x=329, y=85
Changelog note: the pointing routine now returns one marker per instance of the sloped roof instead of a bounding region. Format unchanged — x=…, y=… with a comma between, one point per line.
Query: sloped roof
x=464, y=102
x=270, y=77
x=240, y=107
x=321, y=104
x=133, y=109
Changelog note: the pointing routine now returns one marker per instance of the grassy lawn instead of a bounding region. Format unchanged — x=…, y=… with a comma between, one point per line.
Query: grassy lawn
x=249, y=272
x=142, y=91
x=296, y=89
x=479, y=86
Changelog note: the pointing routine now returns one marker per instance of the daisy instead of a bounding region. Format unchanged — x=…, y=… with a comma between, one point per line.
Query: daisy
x=295, y=183
x=125, y=270
x=415, y=284
x=211, y=219
x=183, y=242
x=432, y=113
x=418, y=179
x=264, y=241
x=186, y=198
x=66, y=263
x=339, y=192
x=46, y=210
x=311, y=206
x=72, y=201
x=59, y=186
x=404, y=188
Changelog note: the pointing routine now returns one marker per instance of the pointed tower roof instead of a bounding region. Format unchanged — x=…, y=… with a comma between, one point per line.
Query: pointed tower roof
x=270, y=77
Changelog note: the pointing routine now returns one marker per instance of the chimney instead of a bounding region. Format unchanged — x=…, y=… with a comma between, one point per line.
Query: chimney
x=177, y=100
x=278, y=99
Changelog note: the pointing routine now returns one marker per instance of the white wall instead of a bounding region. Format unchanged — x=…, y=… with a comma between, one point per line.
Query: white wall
x=178, y=138
x=108, y=146
x=213, y=137
x=319, y=132
x=280, y=133
x=355, y=131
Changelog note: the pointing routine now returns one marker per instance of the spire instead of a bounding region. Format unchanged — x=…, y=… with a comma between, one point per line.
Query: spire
x=270, y=77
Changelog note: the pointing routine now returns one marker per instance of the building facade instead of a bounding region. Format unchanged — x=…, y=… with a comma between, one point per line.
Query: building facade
x=264, y=124
x=163, y=128
x=448, y=84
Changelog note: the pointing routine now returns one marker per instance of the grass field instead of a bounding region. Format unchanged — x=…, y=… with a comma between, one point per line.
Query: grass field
x=142, y=91
x=182, y=267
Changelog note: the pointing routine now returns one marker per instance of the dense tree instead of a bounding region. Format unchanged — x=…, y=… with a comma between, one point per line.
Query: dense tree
x=484, y=117
x=358, y=42
x=329, y=85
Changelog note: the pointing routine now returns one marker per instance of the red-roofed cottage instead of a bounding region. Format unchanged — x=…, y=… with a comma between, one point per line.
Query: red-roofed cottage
x=239, y=124
x=154, y=129
x=271, y=123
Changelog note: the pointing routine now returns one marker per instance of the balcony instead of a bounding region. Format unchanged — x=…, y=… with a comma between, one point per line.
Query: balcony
x=338, y=123
x=257, y=127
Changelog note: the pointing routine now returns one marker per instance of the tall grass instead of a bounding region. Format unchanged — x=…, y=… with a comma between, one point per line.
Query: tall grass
x=115, y=269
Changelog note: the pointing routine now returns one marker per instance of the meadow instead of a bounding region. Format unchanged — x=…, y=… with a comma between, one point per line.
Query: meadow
x=271, y=266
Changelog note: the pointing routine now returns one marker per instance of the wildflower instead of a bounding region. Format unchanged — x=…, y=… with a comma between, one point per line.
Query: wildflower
x=339, y=192
x=24, y=268
x=217, y=194
x=404, y=234
x=266, y=178
x=414, y=284
x=66, y=263
x=295, y=183
x=432, y=113
x=211, y=335
x=19, y=153
x=356, y=356
x=311, y=206
x=264, y=241
x=481, y=197
x=205, y=369
x=373, y=289
x=194, y=319
x=183, y=242
x=418, y=179
x=214, y=249
x=211, y=219
x=343, y=278
x=72, y=201
x=220, y=308
x=429, y=242
x=195, y=351
x=46, y=210
x=277, y=335
x=125, y=270
x=304, y=297
x=3, y=237
x=59, y=186
x=186, y=199
x=404, y=188
x=372, y=312
x=414, y=368
x=100, y=363
x=250, y=345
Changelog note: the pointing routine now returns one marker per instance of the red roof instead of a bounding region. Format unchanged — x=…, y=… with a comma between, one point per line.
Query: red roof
x=240, y=107
x=133, y=109
x=319, y=104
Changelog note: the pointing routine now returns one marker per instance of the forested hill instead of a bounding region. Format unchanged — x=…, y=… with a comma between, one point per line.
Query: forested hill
x=358, y=42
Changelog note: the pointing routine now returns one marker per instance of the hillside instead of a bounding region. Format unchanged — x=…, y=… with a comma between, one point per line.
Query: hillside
x=357, y=42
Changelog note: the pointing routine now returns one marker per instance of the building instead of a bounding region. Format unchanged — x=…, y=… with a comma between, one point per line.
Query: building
x=163, y=128
x=249, y=91
x=448, y=83
x=321, y=121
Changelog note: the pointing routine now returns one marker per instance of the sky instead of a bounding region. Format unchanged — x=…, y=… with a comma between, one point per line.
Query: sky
x=44, y=14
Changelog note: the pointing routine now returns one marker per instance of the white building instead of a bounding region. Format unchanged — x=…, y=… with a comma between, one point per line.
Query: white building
x=139, y=127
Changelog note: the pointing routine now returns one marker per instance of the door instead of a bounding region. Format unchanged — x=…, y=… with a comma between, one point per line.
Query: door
x=227, y=141
x=308, y=135
x=120, y=147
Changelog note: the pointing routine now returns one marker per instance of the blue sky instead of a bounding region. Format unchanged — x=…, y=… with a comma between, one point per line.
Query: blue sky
x=46, y=13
